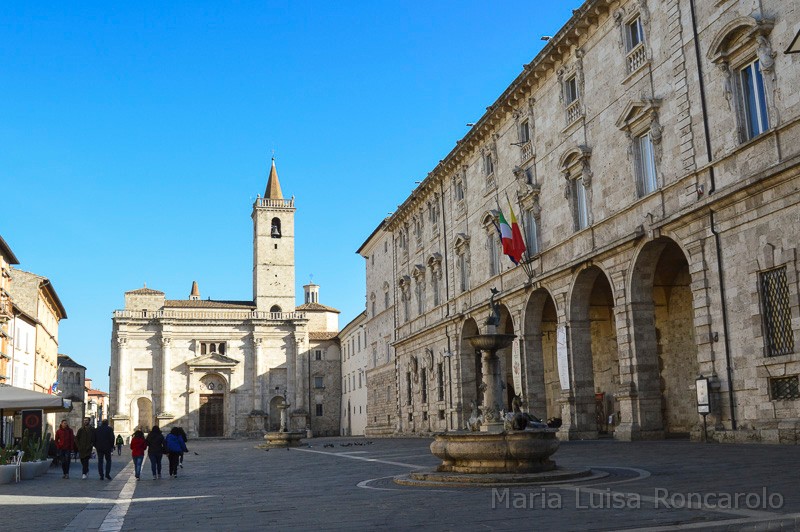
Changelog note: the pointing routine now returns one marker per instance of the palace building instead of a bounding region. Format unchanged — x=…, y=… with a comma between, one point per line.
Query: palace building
x=651, y=153
x=221, y=368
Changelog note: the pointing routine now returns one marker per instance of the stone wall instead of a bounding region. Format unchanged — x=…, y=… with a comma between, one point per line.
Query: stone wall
x=670, y=309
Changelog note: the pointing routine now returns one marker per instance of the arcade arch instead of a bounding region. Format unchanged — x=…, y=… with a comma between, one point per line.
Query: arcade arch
x=664, y=338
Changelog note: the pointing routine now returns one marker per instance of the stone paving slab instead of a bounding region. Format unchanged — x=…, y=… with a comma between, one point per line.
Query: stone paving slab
x=338, y=484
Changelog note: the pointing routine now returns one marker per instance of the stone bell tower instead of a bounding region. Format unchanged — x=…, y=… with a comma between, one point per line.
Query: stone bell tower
x=273, y=249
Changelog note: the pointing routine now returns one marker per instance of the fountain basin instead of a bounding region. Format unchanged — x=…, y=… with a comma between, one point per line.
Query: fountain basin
x=284, y=439
x=526, y=451
x=490, y=342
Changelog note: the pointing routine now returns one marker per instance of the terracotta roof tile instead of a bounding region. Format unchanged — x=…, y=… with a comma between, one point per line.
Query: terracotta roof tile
x=146, y=292
x=322, y=335
x=208, y=303
x=316, y=306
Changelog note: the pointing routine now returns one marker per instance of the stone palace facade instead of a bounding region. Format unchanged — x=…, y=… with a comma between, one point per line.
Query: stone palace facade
x=651, y=152
x=221, y=368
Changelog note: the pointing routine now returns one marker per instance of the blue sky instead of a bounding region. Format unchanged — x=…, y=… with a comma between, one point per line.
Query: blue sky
x=134, y=137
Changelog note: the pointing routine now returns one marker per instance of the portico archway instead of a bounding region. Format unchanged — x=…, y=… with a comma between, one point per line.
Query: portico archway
x=595, y=355
x=665, y=346
x=541, y=364
x=470, y=372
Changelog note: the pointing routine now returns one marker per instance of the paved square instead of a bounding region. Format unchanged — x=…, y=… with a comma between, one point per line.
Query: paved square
x=345, y=483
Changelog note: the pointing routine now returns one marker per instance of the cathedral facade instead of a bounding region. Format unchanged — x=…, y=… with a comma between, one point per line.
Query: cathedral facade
x=222, y=368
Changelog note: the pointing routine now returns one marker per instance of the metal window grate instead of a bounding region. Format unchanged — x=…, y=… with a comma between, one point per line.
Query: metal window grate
x=785, y=388
x=777, y=313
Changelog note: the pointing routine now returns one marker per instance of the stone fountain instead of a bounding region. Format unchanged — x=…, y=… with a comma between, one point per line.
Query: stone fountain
x=283, y=437
x=492, y=452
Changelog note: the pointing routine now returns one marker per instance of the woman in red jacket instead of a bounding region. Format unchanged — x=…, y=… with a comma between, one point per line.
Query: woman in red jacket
x=65, y=443
x=138, y=445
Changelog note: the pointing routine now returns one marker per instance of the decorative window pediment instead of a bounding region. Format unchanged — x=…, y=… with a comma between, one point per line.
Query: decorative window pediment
x=640, y=123
x=578, y=176
x=638, y=114
x=743, y=53
x=435, y=261
x=737, y=37
x=461, y=242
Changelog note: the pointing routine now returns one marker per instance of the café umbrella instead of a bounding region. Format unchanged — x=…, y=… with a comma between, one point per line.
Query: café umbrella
x=13, y=399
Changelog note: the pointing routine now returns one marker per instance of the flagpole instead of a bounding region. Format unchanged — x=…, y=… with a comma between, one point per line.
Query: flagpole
x=527, y=261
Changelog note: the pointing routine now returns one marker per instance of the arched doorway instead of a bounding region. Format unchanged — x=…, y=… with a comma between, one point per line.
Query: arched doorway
x=665, y=346
x=541, y=361
x=595, y=355
x=144, y=417
x=275, y=413
x=470, y=371
x=505, y=356
x=212, y=407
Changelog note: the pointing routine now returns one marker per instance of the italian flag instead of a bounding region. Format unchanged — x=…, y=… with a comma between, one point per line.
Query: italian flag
x=511, y=237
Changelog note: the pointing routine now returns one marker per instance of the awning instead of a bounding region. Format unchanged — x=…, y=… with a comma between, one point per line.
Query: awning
x=13, y=399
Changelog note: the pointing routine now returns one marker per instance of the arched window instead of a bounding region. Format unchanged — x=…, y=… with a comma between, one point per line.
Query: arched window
x=743, y=53
x=275, y=308
x=578, y=176
x=275, y=232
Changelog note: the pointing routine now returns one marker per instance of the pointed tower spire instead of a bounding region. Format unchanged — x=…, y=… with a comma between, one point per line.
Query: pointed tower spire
x=273, y=186
x=195, y=295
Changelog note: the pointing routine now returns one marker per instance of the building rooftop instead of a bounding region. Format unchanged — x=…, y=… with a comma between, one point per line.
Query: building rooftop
x=208, y=303
x=146, y=292
x=66, y=361
x=322, y=335
x=317, y=307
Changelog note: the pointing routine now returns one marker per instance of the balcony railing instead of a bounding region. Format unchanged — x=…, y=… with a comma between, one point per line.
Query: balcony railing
x=636, y=58
x=526, y=150
x=280, y=203
x=195, y=314
x=573, y=111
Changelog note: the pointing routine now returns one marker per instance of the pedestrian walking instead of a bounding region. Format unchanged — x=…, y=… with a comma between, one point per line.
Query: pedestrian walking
x=65, y=443
x=138, y=445
x=182, y=434
x=175, y=446
x=84, y=440
x=104, y=443
x=155, y=450
x=119, y=443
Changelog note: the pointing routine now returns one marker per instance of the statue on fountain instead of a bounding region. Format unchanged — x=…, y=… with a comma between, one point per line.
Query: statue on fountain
x=494, y=315
x=283, y=407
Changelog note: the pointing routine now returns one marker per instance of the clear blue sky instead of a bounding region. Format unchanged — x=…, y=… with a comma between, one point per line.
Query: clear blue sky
x=135, y=136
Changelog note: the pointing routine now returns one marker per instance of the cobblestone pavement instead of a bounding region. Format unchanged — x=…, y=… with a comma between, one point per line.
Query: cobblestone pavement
x=345, y=483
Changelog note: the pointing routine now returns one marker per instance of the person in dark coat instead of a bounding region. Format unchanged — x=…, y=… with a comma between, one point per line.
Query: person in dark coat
x=104, y=443
x=182, y=434
x=84, y=441
x=155, y=450
x=175, y=447
x=65, y=441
